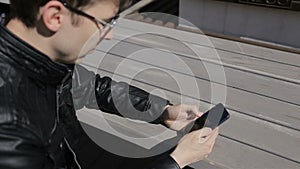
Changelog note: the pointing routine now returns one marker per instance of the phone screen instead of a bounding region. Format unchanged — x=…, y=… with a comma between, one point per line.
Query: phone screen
x=212, y=118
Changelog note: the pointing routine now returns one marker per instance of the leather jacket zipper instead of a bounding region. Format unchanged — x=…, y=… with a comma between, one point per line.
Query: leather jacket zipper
x=74, y=154
x=58, y=92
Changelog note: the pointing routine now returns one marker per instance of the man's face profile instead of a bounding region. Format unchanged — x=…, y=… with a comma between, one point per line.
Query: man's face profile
x=87, y=34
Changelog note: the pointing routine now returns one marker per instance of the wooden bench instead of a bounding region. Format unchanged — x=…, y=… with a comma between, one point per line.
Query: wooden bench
x=262, y=90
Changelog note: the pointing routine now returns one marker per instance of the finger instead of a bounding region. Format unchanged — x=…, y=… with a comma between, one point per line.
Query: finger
x=202, y=134
x=195, y=111
x=178, y=124
x=192, y=112
x=200, y=114
x=212, y=146
x=214, y=134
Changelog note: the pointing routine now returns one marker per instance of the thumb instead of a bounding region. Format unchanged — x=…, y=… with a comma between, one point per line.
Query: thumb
x=204, y=134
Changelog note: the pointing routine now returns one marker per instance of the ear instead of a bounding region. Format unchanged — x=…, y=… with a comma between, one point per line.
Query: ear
x=52, y=15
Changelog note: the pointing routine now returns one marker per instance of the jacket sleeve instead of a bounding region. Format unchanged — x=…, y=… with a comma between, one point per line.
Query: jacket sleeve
x=94, y=91
x=19, y=148
x=165, y=163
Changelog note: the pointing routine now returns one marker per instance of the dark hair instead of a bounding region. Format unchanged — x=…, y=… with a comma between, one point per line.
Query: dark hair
x=27, y=10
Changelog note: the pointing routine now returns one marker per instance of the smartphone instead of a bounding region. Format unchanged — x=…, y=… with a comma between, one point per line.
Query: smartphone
x=212, y=118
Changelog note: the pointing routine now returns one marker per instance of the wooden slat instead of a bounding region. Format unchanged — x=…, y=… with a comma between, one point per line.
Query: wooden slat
x=234, y=155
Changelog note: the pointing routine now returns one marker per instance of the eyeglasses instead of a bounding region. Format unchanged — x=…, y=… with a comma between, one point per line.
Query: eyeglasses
x=107, y=25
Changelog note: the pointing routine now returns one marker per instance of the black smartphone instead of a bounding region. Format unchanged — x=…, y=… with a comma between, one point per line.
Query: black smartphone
x=212, y=118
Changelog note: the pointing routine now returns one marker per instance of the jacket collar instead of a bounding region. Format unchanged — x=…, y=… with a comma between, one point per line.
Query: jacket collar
x=36, y=64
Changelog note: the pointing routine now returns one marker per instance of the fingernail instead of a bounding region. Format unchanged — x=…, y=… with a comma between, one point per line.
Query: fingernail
x=207, y=130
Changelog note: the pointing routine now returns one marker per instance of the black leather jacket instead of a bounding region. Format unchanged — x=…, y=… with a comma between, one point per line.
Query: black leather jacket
x=38, y=124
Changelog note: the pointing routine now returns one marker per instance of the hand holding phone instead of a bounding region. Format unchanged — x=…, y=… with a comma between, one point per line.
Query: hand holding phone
x=212, y=118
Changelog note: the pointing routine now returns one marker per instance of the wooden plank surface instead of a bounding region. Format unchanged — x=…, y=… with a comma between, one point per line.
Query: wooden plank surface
x=262, y=92
x=231, y=149
x=243, y=127
x=132, y=28
x=240, y=100
x=235, y=76
x=229, y=50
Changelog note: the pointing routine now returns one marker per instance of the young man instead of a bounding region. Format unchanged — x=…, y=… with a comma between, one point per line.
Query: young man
x=38, y=125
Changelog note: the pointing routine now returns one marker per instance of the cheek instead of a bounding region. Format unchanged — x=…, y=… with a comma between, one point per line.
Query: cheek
x=89, y=43
x=89, y=34
x=93, y=39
